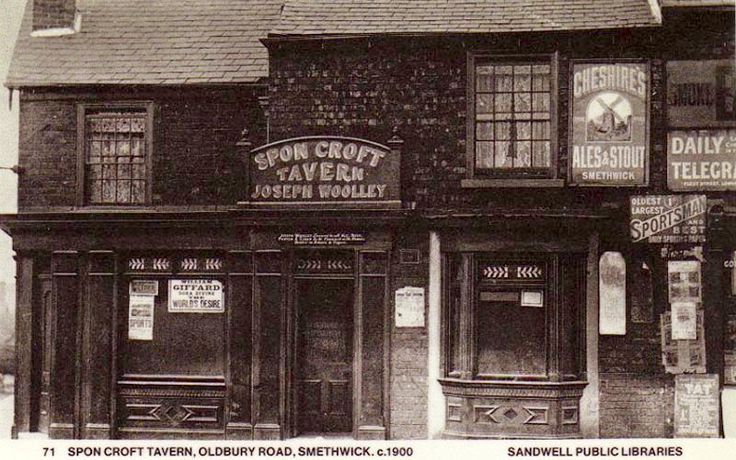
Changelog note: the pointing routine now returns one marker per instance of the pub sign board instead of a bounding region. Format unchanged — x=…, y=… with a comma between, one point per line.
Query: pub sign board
x=610, y=124
x=324, y=169
x=668, y=219
x=701, y=94
x=701, y=160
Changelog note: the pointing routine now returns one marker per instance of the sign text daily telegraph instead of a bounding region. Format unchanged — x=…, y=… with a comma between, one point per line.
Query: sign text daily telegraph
x=702, y=160
x=323, y=169
x=609, y=124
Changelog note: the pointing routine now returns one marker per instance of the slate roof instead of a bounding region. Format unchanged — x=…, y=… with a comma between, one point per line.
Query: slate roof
x=697, y=3
x=348, y=17
x=218, y=41
x=150, y=42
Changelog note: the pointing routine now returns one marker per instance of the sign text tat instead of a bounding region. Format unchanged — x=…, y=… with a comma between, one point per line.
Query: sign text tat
x=668, y=218
x=697, y=408
x=610, y=122
x=324, y=169
x=701, y=160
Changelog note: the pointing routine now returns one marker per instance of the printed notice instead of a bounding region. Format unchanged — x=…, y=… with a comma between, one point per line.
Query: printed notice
x=684, y=281
x=668, y=219
x=684, y=321
x=697, y=406
x=409, y=307
x=140, y=317
x=144, y=287
x=196, y=296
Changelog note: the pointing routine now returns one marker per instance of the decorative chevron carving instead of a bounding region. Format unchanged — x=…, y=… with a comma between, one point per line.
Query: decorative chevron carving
x=496, y=272
x=160, y=263
x=189, y=264
x=137, y=263
x=528, y=271
x=213, y=263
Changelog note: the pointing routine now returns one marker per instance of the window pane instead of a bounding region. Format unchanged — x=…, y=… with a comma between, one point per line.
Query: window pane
x=541, y=154
x=139, y=192
x=522, y=78
x=123, y=191
x=541, y=130
x=503, y=131
x=484, y=154
x=484, y=78
x=504, y=78
x=541, y=102
x=484, y=103
x=108, y=191
x=502, y=155
x=484, y=131
x=503, y=103
x=523, y=130
x=510, y=338
x=522, y=103
x=523, y=155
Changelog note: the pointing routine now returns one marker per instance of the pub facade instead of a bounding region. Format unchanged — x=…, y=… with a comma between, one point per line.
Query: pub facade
x=437, y=220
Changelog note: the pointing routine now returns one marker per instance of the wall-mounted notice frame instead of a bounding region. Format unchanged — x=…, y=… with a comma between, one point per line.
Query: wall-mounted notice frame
x=612, y=288
x=682, y=356
x=409, y=307
x=684, y=321
x=684, y=281
x=609, y=124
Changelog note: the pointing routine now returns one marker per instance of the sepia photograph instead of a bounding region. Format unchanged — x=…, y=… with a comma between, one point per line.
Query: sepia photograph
x=510, y=223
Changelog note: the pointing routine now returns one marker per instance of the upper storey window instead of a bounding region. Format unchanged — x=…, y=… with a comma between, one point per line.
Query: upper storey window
x=512, y=117
x=116, y=166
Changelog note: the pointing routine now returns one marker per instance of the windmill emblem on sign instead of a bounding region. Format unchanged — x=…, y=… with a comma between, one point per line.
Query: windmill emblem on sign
x=608, y=118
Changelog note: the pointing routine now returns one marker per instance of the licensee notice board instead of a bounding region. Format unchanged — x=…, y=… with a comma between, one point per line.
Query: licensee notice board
x=697, y=406
x=196, y=296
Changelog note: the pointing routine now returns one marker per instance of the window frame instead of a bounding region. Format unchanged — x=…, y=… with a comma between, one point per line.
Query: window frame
x=460, y=360
x=82, y=110
x=512, y=178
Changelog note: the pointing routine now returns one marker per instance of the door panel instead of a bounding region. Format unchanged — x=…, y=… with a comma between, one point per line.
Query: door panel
x=324, y=355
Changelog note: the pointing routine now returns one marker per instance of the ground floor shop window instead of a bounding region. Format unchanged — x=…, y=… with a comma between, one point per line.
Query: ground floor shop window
x=514, y=343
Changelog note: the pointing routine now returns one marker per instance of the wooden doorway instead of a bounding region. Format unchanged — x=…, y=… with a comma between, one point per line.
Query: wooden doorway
x=324, y=355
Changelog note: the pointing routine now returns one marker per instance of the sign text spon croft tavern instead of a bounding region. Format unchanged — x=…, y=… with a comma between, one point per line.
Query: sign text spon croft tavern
x=324, y=169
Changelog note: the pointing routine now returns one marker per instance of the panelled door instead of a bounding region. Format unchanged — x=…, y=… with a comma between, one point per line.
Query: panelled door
x=324, y=355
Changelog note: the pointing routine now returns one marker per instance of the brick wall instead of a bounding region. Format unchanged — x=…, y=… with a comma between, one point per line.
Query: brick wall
x=195, y=159
x=48, y=14
x=408, y=392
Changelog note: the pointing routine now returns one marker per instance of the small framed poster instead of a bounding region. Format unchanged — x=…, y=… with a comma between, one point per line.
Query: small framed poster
x=409, y=307
x=144, y=287
x=532, y=299
x=196, y=296
x=140, y=317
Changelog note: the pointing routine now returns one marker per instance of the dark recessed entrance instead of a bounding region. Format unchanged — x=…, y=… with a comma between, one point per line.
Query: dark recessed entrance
x=324, y=374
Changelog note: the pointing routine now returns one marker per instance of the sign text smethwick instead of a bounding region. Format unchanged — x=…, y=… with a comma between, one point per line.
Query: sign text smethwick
x=322, y=169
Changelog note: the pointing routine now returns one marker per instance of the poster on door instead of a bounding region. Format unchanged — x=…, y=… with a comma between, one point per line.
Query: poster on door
x=684, y=321
x=409, y=303
x=610, y=124
x=140, y=317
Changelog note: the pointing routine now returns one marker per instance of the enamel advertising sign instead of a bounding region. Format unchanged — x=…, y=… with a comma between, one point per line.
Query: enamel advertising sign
x=326, y=169
x=701, y=93
x=668, y=219
x=609, y=124
x=701, y=160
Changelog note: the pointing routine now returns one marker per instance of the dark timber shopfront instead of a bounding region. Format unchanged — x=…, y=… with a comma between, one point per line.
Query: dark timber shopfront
x=515, y=220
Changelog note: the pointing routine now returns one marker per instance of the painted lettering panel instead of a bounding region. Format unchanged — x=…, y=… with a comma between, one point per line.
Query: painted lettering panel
x=701, y=160
x=324, y=169
x=610, y=124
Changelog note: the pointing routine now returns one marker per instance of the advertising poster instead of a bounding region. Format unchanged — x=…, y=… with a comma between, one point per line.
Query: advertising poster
x=140, y=317
x=701, y=160
x=701, y=93
x=683, y=280
x=667, y=219
x=684, y=321
x=196, y=296
x=409, y=307
x=610, y=124
x=683, y=356
x=697, y=406
x=612, y=288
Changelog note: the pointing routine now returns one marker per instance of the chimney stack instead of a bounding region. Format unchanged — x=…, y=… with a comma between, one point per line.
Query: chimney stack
x=54, y=15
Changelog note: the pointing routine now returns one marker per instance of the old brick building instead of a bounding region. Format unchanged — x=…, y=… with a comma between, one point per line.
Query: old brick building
x=394, y=220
